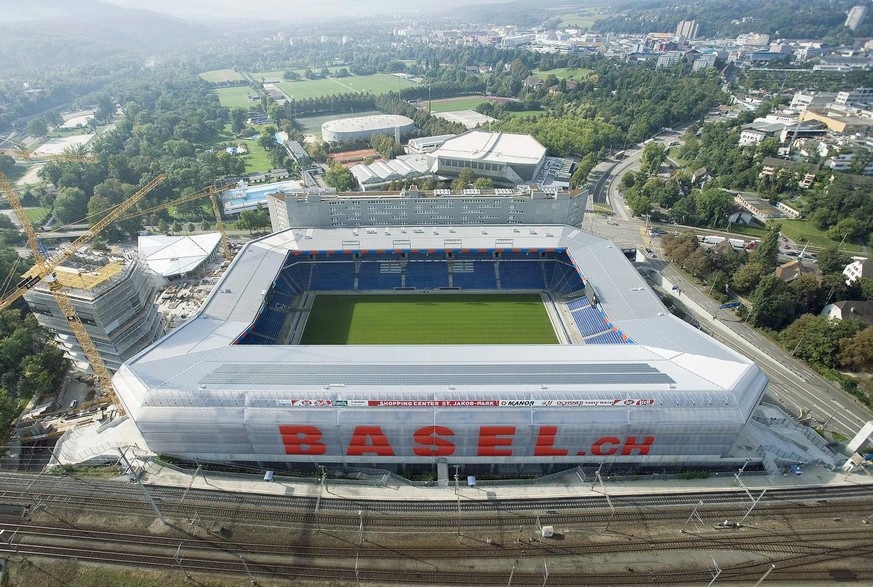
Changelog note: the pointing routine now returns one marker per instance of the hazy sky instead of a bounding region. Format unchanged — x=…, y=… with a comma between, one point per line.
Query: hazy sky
x=284, y=10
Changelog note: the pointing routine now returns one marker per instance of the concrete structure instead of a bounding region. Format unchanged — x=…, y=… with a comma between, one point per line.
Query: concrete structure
x=857, y=98
x=761, y=209
x=804, y=173
x=114, y=298
x=856, y=16
x=803, y=100
x=858, y=269
x=687, y=29
x=850, y=310
x=508, y=159
x=650, y=390
x=175, y=256
x=522, y=205
x=363, y=127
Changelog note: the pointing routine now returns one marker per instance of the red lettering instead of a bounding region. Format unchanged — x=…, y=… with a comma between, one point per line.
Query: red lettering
x=369, y=440
x=434, y=446
x=302, y=440
x=491, y=437
x=630, y=445
x=546, y=443
x=596, y=448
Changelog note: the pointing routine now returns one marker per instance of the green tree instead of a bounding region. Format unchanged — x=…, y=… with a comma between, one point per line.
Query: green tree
x=37, y=127
x=204, y=226
x=808, y=293
x=483, y=183
x=465, y=177
x=340, y=178
x=518, y=71
x=177, y=227
x=767, y=251
x=71, y=206
x=238, y=117
x=857, y=352
x=267, y=139
x=652, y=158
x=163, y=226
x=773, y=303
x=817, y=340
x=830, y=260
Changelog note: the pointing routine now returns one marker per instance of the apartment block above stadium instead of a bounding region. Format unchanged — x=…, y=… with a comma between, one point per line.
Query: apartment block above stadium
x=624, y=382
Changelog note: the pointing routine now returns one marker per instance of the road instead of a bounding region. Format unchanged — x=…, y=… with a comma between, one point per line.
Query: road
x=793, y=385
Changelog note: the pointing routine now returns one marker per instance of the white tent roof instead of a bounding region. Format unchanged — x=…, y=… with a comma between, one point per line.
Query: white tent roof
x=175, y=255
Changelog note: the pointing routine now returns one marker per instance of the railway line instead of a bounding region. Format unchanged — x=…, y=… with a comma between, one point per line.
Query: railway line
x=811, y=534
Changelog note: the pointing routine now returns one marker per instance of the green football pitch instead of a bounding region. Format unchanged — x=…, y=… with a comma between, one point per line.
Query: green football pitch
x=429, y=319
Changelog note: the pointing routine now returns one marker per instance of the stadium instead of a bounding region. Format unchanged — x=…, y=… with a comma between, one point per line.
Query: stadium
x=503, y=349
x=363, y=127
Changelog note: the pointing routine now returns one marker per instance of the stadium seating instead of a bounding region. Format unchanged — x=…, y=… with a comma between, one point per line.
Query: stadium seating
x=578, y=304
x=588, y=320
x=474, y=275
x=610, y=337
x=521, y=275
x=427, y=274
x=333, y=276
x=375, y=275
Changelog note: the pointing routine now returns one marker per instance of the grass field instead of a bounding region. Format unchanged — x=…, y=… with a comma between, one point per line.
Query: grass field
x=564, y=73
x=802, y=232
x=456, y=104
x=429, y=319
x=236, y=97
x=36, y=215
x=222, y=75
x=379, y=83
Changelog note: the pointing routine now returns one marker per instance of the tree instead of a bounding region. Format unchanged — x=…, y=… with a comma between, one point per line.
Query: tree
x=767, y=251
x=808, y=293
x=518, y=71
x=204, y=226
x=37, y=127
x=71, y=206
x=483, y=183
x=857, y=352
x=267, y=139
x=340, y=178
x=773, y=303
x=849, y=229
x=463, y=180
x=190, y=228
x=163, y=226
x=177, y=227
x=238, y=117
x=830, y=260
x=817, y=340
x=652, y=157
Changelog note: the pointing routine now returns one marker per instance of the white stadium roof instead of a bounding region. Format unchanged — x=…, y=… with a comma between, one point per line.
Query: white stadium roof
x=176, y=255
x=395, y=169
x=365, y=123
x=683, y=364
x=494, y=147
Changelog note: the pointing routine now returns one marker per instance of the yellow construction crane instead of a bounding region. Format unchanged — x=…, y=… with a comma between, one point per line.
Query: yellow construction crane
x=44, y=269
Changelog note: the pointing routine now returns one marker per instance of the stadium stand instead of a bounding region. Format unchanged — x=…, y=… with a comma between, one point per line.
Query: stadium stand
x=521, y=275
x=427, y=274
x=578, y=304
x=334, y=276
x=474, y=275
x=378, y=275
x=588, y=320
x=611, y=337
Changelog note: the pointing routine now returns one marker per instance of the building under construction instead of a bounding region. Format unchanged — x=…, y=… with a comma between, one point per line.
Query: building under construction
x=113, y=296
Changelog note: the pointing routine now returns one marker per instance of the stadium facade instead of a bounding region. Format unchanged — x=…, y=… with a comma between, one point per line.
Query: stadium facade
x=521, y=205
x=363, y=127
x=629, y=385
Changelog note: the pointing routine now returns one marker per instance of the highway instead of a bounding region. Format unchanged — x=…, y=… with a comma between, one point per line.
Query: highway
x=799, y=390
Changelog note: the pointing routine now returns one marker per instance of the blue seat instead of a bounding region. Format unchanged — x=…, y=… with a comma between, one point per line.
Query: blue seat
x=375, y=275
x=521, y=275
x=333, y=276
x=474, y=275
x=610, y=337
x=427, y=274
x=588, y=320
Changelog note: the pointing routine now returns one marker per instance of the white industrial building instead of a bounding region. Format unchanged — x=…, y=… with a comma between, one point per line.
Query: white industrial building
x=363, y=127
x=629, y=384
x=380, y=174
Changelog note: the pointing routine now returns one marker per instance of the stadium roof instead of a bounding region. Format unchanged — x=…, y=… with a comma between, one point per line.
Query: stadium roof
x=395, y=169
x=671, y=360
x=176, y=255
x=494, y=147
x=364, y=123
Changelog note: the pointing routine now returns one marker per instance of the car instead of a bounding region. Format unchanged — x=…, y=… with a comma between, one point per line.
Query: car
x=650, y=251
x=792, y=253
x=74, y=404
x=795, y=469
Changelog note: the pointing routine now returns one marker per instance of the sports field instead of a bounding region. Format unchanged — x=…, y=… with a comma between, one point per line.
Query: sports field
x=429, y=319
x=377, y=84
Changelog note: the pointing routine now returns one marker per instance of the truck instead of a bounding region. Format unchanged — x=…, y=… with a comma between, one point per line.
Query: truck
x=737, y=243
x=713, y=239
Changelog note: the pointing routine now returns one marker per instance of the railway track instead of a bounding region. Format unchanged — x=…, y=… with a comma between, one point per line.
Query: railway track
x=191, y=556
